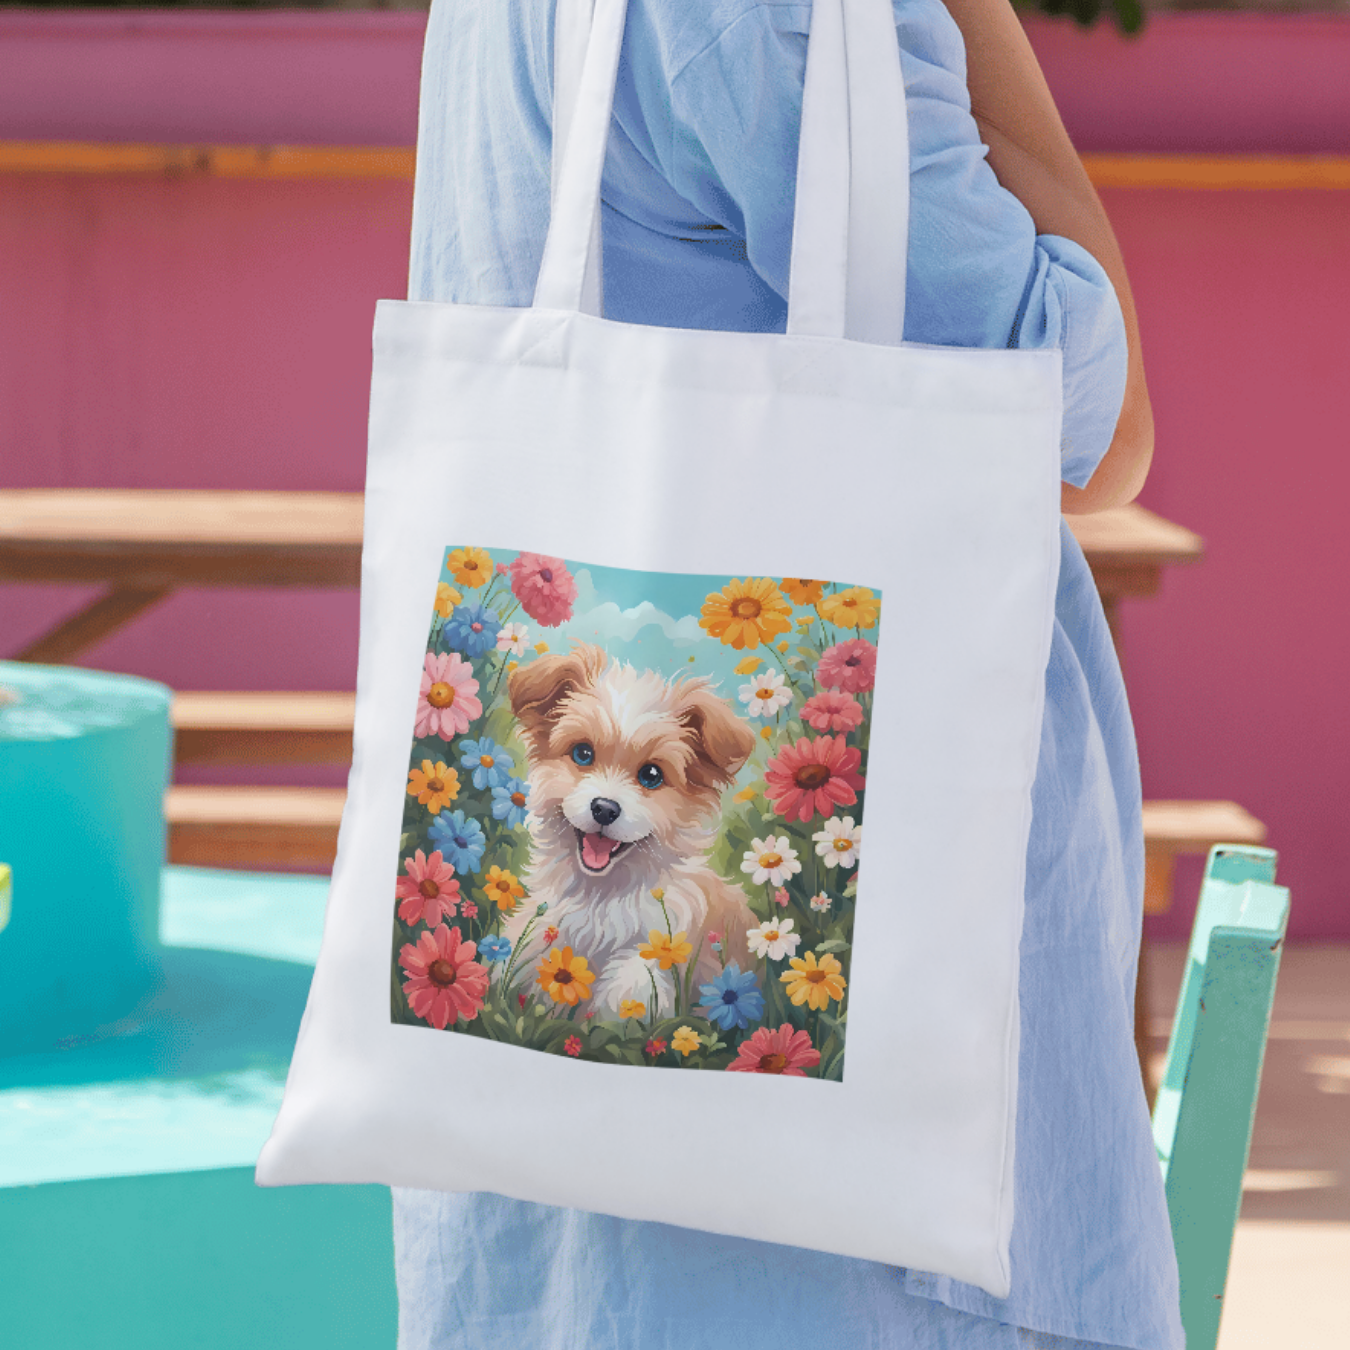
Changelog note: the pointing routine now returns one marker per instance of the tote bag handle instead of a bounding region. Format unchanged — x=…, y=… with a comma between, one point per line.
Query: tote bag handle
x=851, y=219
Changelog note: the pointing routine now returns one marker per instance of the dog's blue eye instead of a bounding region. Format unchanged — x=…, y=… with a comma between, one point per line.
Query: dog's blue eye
x=650, y=776
x=583, y=753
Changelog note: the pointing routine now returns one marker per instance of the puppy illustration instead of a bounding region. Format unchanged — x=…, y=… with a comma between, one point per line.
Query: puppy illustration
x=627, y=771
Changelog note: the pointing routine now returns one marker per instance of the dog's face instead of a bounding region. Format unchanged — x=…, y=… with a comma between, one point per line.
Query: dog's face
x=626, y=768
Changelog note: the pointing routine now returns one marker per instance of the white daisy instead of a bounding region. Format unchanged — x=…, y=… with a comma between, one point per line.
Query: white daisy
x=820, y=903
x=770, y=860
x=765, y=695
x=774, y=938
x=513, y=638
x=838, y=843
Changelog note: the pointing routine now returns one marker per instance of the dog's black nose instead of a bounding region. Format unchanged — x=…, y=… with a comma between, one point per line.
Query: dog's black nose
x=605, y=811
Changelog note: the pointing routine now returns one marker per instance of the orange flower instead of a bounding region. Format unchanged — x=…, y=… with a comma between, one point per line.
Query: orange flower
x=746, y=613
x=630, y=1007
x=502, y=889
x=802, y=592
x=566, y=977
x=669, y=951
x=434, y=785
x=470, y=566
x=811, y=983
x=685, y=1040
x=856, y=607
x=447, y=597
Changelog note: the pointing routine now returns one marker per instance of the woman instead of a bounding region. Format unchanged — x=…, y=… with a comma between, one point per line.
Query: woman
x=1011, y=249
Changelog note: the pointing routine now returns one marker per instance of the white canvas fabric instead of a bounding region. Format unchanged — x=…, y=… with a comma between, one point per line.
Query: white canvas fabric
x=650, y=463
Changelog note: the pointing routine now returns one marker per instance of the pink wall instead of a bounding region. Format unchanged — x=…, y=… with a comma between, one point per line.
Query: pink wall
x=208, y=333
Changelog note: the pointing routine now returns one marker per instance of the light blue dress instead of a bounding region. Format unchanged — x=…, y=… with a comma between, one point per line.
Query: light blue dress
x=698, y=190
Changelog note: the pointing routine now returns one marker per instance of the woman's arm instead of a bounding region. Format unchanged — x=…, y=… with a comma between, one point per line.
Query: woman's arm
x=1031, y=155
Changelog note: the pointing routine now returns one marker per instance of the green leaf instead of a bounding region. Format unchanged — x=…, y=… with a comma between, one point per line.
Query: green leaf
x=833, y=945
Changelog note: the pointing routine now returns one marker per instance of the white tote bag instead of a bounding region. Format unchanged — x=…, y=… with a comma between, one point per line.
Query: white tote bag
x=701, y=676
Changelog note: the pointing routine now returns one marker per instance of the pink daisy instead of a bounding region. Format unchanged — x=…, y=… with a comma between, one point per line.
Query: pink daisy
x=786, y=1051
x=429, y=892
x=444, y=982
x=447, y=703
x=850, y=666
x=813, y=777
x=832, y=712
x=572, y=1045
x=544, y=587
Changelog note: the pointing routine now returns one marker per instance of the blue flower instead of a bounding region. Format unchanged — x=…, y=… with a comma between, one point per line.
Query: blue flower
x=508, y=801
x=491, y=764
x=494, y=948
x=460, y=840
x=472, y=629
x=733, y=999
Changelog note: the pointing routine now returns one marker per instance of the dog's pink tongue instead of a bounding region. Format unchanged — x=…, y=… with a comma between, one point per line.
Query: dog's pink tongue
x=596, y=849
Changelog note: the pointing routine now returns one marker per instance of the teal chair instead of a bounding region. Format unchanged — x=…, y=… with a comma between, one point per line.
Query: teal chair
x=1202, y=1119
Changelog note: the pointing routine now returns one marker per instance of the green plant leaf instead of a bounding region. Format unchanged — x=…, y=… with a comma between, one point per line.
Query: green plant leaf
x=833, y=945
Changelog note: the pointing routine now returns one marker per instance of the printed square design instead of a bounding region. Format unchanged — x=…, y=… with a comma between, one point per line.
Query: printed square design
x=633, y=816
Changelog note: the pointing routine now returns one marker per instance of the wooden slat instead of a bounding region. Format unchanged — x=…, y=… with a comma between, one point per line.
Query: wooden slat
x=253, y=826
x=263, y=728
x=1194, y=827
x=1185, y=172
x=1220, y=173
x=1131, y=535
x=216, y=161
x=181, y=538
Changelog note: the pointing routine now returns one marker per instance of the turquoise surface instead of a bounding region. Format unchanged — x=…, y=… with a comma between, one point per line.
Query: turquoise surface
x=84, y=761
x=192, y=1076
x=128, y=1214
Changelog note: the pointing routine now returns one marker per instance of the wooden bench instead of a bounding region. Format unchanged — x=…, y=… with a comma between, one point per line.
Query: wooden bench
x=1182, y=827
x=253, y=827
x=263, y=728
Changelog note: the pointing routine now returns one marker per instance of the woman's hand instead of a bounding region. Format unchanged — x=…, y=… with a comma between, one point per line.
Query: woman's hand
x=1032, y=156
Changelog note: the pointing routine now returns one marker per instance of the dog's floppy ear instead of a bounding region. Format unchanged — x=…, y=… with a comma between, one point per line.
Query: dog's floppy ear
x=721, y=741
x=539, y=689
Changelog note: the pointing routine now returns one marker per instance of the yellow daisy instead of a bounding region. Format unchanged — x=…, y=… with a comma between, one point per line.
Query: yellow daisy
x=812, y=983
x=447, y=597
x=745, y=795
x=630, y=1007
x=566, y=977
x=856, y=607
x=434, y=785
x=746, y=613
x=685, y=1040
x=801, y=591
x=669, y=951
x=470, y=566
x=502, y=889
